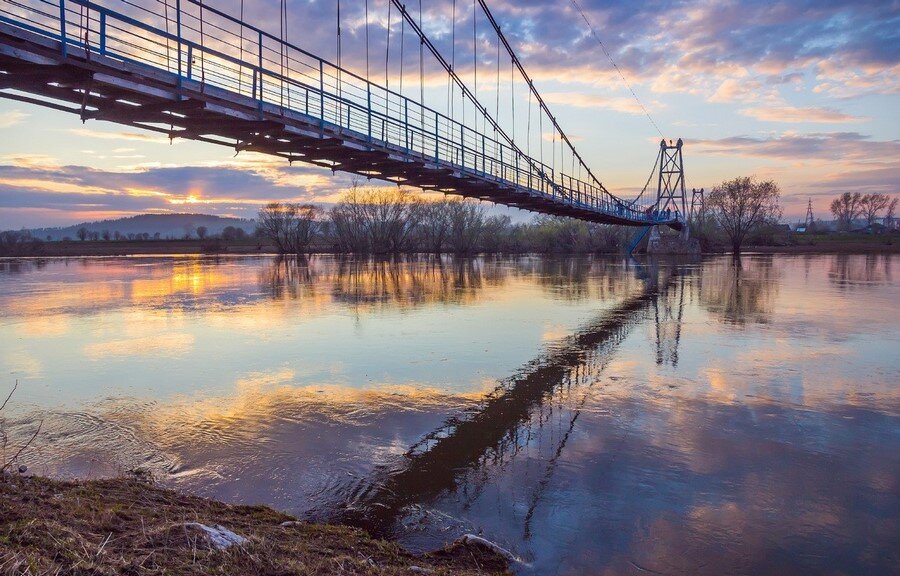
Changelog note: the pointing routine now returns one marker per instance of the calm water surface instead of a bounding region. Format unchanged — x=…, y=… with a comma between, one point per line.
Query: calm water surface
x=595, y=416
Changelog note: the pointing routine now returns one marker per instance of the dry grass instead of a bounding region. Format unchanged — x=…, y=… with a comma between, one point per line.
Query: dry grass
x=125, y=526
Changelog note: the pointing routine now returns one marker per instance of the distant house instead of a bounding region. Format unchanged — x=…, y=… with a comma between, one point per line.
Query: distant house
x=873, y=228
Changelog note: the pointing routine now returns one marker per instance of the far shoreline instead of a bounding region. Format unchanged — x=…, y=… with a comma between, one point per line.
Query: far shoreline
x=854, y=244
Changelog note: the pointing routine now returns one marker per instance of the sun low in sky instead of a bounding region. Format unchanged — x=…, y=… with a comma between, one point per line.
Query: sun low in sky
x=802, y=92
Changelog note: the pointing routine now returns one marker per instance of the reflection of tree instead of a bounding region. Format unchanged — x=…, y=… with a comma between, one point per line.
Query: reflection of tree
x=405, y=281
x=290, y=277
x=740, y=290
x=17, y=266
x=458, y=454
x=582, y=277
x=413, y=281
x=850, y=271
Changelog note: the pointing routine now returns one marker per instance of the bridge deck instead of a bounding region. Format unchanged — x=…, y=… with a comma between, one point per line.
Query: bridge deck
x=124, y=76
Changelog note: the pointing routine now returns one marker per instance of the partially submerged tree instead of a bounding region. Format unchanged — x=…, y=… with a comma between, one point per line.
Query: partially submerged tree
x=846, y=208
x=466, y=225
x=434, y=225
x=741, y=205
x=378, y=220
x=290, y=227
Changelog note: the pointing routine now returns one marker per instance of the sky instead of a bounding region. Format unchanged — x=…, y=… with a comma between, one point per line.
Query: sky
x=806, y=93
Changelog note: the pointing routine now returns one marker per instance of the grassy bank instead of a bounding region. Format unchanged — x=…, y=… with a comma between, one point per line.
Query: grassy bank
x=794, y=244
x=125, y=526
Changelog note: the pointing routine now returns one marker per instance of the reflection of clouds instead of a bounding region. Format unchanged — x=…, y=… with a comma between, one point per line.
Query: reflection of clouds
x=22, y=364
x=45, y=327
x=158, y=345
x=87, y=286
x=271, y=440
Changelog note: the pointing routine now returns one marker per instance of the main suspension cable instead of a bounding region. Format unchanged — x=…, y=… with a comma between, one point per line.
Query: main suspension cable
x=611, y=61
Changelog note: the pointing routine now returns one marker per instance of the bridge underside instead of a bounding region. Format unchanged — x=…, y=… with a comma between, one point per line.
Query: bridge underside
x=98, y=87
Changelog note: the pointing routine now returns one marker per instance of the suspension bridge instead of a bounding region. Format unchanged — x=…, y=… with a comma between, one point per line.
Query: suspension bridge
x=190, y=70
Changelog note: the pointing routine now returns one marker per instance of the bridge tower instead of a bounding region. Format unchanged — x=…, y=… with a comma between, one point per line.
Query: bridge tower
x=670, y=193
x=697, y=202
x=671, y=198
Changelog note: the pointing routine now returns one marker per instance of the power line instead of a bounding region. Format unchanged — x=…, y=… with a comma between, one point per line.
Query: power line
x=611, y=61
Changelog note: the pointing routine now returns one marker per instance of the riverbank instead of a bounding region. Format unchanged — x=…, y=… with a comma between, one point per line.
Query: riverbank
x=799, y=244
x=128, y=526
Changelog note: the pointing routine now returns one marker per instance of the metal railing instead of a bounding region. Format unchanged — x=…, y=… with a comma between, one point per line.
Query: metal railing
x=199, y=43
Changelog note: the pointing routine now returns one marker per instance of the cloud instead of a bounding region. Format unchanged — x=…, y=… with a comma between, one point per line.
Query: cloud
x=35, y=185
x=11, y=118
x=121, y=135
x=581, y=100
x=837, y=146
x=792, y=114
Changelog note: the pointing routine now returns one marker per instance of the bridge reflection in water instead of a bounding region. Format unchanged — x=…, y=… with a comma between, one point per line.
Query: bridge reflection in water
x=516, y=414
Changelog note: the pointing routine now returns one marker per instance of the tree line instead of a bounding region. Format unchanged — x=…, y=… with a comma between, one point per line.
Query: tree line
x=394, y=220
x=397, y=220
x=850, y=207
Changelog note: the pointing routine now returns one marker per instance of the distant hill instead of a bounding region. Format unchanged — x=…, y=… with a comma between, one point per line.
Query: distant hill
x=169, y=226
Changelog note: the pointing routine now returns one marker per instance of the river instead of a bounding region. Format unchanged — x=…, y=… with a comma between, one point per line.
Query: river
x=593, y=415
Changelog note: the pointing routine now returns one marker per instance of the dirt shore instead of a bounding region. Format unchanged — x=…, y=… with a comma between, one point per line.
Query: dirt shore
x=127, y=526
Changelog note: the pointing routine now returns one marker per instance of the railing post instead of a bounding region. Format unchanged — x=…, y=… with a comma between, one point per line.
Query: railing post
x=102, y=33
x=259, y=62
x=321, y=95
x=62, y=28
x=462, y=144
x=369, y=107
x=178, y=34
x=436, y=136
x=483, y=154
x=190, y=60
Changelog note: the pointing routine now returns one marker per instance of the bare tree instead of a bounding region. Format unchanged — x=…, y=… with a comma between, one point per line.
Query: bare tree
x=379, y=220
x=82, y=233
x=201, y=232
x=466, y=225
x=889, y=214
x=434, y=224
x=871, y=204
x=106, y=235
x=846, y=208
x=290, y=227
x=743, y=204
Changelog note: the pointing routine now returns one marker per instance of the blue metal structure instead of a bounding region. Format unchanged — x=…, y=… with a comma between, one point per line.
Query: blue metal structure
x=217, y=79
